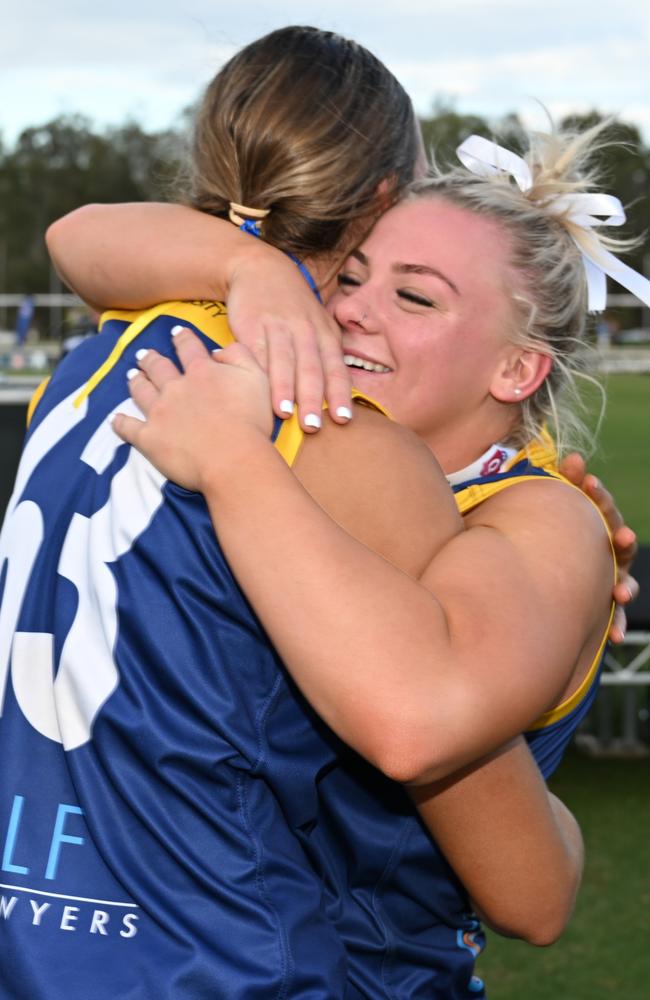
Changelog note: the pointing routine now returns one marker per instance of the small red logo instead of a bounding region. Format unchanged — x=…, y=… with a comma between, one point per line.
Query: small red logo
x=493, y=464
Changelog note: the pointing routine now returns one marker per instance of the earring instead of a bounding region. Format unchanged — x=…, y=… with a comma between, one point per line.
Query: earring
x=517, y=391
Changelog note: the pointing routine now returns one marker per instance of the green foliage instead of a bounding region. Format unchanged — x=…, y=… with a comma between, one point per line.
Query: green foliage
x=446, y=129
x=603, y=954
x=624, y=160
x=54, y=168
x=622, y=456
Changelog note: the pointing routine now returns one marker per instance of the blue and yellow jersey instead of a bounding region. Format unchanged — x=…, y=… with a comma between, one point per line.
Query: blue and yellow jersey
x=155, y=756
x=549, y=735
x=406, y=919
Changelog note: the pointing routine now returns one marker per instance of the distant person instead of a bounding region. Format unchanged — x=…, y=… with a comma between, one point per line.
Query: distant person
x=24, y=318
x=85, y=326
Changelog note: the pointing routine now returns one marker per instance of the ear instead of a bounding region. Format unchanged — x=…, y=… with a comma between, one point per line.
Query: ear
x=519, y=375
x=385, y=194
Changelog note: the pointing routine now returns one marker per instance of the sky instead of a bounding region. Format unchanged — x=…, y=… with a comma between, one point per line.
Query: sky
x=148, y=59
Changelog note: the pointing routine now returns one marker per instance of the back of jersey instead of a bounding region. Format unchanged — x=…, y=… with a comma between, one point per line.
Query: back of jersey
x=144, y=855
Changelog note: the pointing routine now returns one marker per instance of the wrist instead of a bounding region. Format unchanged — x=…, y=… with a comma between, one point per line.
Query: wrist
x=249, y=256
x=237, y=464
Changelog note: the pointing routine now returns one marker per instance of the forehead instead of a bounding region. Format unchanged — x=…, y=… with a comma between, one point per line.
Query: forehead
x=434, y=231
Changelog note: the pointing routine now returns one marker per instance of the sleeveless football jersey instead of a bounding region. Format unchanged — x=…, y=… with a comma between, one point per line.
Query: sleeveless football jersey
x=146, y=850
x=406, y=919
x=550, y=735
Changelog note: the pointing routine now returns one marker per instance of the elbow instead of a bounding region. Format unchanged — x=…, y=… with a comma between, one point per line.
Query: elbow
x=407, y=759
x=64, y=232
x=535, y=920
x=533, y=928
x=57, y=236
x=545, y=931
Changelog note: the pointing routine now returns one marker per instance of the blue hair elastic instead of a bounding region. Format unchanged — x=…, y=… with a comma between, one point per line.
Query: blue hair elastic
x=250, y=226
x=253, y=227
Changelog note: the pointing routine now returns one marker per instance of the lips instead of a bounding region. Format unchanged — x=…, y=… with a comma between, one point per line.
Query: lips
x=367, y=364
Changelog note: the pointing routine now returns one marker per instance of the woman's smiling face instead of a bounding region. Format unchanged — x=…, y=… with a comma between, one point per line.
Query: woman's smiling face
x=425, y=308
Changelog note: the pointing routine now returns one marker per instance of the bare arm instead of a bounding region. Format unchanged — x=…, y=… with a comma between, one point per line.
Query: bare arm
x=516, y=848
x=361, y=476
x=134, y=255
x=480, y=669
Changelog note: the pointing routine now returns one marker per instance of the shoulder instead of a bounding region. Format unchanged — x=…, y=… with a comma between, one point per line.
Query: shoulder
x=546, y=506
x=556, y=536
x=382, y=483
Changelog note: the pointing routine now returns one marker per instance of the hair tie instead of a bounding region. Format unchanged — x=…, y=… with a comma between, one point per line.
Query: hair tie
x=238, y=214
x=585, y=211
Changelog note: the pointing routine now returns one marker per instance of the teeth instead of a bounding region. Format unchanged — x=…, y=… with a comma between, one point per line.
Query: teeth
x=352, y=361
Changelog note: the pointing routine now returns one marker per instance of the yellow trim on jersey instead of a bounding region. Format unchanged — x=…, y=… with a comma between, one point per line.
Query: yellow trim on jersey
x=290, y=437
x=565, y=707
x=542, y=454
x=36, y=398
x=291, y=434
x=209, y=317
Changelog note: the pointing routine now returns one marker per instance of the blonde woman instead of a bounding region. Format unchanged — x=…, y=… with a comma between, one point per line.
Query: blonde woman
x=462, y=311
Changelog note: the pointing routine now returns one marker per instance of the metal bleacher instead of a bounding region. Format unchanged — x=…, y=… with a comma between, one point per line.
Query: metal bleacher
x=619, y=724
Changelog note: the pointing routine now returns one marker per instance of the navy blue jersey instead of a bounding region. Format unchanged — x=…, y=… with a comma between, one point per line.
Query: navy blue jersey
x=550, y=735
x=146, y=851
x=406, y=919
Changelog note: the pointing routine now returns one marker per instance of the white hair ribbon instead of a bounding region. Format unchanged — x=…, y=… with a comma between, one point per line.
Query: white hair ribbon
x=584, y=211
x=485, y=158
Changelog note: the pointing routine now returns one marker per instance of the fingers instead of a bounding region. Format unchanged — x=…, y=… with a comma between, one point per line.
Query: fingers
x=188, y=346
x=237, y=355
x=282, y=371
x=305, y=365
x=143, y=392
x=310, y=384
x=605, y=501
x=625, y=547
x=573, y=468
x=128, y=428
x=158, y=369
x=618, y=627
x=338, y=381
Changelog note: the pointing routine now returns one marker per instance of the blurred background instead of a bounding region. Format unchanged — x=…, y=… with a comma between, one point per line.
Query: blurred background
x=95, y=105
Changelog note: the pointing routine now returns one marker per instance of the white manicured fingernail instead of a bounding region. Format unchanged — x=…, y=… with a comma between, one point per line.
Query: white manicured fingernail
x=312, y=420
x=176, y=330
x=132, y=372
x=286, y=406
x=344, y=412
x=139, y=355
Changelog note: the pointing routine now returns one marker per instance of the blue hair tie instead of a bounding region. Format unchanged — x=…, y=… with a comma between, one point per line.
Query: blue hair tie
x=251, y=226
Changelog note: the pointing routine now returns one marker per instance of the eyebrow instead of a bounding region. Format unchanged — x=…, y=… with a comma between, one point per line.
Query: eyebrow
x=410, y=269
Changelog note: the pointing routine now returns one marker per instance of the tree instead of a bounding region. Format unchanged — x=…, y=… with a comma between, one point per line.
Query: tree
x=62, y=164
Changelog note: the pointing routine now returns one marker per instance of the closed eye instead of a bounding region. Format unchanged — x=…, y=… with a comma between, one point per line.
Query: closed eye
x=414, y=297
x=348, y=280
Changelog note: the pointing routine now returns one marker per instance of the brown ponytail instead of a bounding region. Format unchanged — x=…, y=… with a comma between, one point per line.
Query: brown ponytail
x=307, y=124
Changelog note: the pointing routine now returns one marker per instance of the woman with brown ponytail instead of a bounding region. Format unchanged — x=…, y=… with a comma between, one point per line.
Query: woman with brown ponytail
x=524, y=834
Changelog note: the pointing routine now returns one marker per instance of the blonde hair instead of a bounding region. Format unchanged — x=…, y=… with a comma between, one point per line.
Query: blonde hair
x=550, y=304
x=307, y=124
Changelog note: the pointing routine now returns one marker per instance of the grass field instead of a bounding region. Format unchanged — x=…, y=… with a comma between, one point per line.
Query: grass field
x=604, y=955
x=622, y=458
